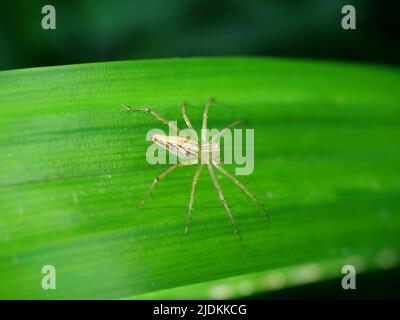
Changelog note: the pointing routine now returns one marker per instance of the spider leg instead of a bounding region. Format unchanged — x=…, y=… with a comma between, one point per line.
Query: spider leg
x=221, y=133
x=241, y=186
x=222, y=198
x=205, y=116
x=155, y=115
x=157, y=179
x=185, y=117
x=192, y=192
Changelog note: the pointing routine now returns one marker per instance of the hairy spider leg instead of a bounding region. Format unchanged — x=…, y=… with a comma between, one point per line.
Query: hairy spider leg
x=222, y=198
x=221, y=133
x=157, y=179
x=241, y=186
x=205, y=116
x=192, y=193
x=185, y=117
x=155, y=115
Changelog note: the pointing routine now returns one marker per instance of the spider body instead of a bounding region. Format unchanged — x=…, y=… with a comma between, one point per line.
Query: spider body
x=193, y=152
x=189, y=151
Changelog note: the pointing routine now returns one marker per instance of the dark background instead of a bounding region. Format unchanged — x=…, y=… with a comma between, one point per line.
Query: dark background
x=99, y=30
x=379, y=285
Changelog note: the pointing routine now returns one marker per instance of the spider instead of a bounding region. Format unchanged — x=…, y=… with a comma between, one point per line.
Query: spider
x=197, y=153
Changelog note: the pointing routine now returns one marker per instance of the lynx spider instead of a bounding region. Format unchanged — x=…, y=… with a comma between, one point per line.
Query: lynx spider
x=200, y=153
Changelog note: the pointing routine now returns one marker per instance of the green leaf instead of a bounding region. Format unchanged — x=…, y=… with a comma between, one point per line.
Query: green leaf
x=73, y=168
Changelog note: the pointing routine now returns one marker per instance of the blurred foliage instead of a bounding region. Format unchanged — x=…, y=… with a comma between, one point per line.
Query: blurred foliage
x=100, y=30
